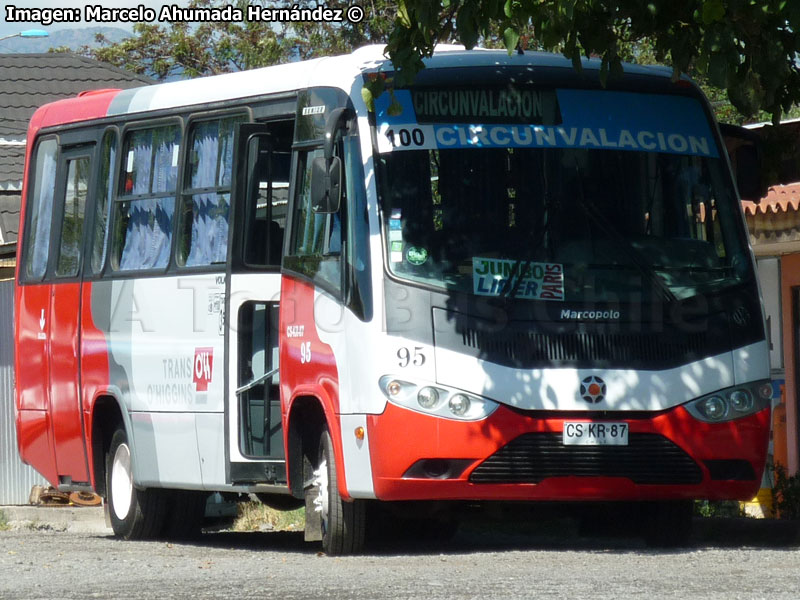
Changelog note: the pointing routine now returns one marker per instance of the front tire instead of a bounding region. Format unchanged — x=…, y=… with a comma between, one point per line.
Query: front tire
x=135, y=514
x=343, y=523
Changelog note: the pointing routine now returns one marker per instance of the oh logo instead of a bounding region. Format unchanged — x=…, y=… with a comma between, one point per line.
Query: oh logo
x=203, y=365
x=593, y=389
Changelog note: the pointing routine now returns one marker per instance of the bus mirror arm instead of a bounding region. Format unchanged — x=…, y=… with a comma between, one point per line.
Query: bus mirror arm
x=336, y=120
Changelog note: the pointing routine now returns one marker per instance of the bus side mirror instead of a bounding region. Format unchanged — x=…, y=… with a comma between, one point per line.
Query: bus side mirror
x=326, y=172
x=326, y=184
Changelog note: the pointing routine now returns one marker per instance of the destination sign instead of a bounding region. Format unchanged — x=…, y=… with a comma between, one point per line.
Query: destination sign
x=561, y=118
x=485, y=106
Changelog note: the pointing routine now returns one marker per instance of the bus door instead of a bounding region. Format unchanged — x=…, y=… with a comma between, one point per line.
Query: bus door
x=72, y=188
x=33, y=312
x=254, y=432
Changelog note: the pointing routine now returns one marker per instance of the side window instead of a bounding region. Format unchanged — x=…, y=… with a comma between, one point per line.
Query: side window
x=268, y=197
x=40, y=208
x=105, y=183
x=145, y=207
x=71, y=239
x=316, y=245
x=266, y=150
x=357, y=247
x=207, y=193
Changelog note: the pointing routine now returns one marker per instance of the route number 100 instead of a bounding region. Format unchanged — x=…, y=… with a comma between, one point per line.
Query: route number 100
x=405, y=137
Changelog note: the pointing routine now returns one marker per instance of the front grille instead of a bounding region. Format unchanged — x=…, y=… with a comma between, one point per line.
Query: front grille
x=529, y=347
x=541, y=344
x=533, y=457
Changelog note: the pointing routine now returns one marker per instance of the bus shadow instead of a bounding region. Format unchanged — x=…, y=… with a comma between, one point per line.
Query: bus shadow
x=569, y=534
x=257, y=541
x=557, y=535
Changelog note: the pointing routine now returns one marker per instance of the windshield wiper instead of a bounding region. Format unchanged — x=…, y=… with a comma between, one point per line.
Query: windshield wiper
x=624, y=243
x=510, y=290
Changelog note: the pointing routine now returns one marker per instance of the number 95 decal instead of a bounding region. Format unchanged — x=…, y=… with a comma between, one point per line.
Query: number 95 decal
x=411, y=356
x=305, y=352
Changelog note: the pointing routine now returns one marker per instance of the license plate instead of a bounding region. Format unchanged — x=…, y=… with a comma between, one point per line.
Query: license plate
x=606, y=433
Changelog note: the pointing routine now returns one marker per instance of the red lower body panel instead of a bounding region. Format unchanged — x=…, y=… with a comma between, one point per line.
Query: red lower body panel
x=399, y=438
x=33, y=441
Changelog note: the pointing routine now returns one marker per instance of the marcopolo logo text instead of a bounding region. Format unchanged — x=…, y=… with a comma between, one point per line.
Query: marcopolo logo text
x=590, y=315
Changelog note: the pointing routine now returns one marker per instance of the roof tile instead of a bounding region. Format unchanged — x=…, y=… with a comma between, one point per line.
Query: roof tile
x=779, y=199
x=27, y=81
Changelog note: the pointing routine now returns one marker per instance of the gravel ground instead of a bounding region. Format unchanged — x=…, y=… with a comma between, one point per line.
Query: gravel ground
x=728, y=559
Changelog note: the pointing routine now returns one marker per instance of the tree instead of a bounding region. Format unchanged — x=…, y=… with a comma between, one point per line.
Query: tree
x=747, y=47
x=209, y=47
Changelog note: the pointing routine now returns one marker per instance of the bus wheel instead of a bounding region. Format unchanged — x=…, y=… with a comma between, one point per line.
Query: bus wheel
x=135, y=514
x=343, y=523
x=668, y=524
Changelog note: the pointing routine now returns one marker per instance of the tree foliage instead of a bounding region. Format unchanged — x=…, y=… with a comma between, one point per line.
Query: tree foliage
x=747, y=47
x=206, y=48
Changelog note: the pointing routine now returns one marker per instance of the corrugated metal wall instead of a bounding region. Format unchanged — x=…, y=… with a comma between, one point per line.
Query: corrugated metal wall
x=16, y=478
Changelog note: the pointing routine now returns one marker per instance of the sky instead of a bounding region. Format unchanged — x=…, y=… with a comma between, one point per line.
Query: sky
x=7, y=28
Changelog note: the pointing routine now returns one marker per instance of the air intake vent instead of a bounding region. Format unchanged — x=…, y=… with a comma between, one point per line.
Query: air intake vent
x=533, y=457
x=524, y=347
x=529, y=345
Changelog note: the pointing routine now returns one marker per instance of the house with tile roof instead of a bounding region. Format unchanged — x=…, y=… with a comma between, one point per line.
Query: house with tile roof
x=774, y=228
x=28, y=81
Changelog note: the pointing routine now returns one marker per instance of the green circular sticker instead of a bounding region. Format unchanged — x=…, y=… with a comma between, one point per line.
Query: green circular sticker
x=416, y=256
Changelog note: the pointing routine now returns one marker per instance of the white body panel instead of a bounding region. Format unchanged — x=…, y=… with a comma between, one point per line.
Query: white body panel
x=168, y=358
x=628, y=389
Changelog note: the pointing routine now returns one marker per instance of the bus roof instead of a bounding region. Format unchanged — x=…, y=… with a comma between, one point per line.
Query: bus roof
x=339, y=71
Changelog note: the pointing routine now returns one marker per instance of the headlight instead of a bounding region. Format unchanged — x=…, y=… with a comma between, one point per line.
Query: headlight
x=731, y=403
x=741, y=401
x=436, y=399
x=714, y=408
x=428, y=397
x=459, y=404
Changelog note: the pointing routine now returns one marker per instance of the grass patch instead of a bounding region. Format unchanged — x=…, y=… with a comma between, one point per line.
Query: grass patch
x=4, y=526
x=255, y=516
x=718, y=508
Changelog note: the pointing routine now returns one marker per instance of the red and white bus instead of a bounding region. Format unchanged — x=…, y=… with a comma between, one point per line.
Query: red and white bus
x=504, y=283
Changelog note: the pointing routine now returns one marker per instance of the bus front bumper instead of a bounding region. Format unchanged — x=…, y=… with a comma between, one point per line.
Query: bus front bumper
x=514, y=456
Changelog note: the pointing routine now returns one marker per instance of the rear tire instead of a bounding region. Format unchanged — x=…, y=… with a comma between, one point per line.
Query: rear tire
x=343, y=523
x=136, y=514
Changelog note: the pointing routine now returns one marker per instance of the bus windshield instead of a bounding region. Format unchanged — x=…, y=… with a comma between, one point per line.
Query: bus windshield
x=531, y=212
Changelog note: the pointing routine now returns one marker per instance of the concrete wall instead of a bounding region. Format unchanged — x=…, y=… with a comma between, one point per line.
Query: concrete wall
x=16, y=478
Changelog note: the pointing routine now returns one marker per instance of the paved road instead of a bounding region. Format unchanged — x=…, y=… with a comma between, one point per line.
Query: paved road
x=727, y=560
